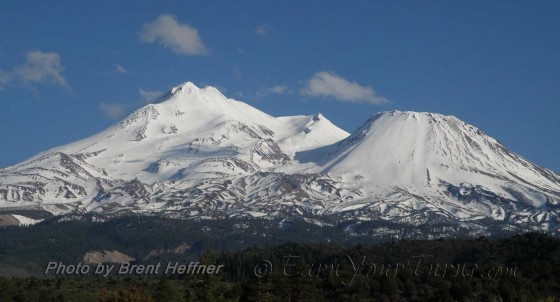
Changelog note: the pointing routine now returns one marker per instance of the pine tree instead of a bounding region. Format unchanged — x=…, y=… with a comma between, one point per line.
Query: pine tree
x=128, y=294
x=211, y=282
x=168, y=292
x=6, y=291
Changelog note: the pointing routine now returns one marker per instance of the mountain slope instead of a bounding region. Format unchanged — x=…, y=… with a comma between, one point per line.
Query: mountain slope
x=193, y=123
x=192, y=134
x=420, y=148
x=417, y=162
x=197, y=154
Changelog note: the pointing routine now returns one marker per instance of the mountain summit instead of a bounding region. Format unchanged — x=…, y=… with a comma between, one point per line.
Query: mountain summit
x=198, y=154
x=417, y=149
x=427, y=162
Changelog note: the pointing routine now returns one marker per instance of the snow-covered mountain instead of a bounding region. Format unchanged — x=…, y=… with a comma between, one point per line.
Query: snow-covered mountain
x=421, y=166
x=192, y=136
x=198, y=154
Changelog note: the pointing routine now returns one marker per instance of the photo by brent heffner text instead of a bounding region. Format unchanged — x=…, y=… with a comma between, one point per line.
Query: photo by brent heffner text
x=105, y=270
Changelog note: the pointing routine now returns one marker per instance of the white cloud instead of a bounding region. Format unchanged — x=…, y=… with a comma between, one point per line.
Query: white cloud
x=113, y=111
x=261, y=30
x=41, y=67
x=329, y=84
x=120, y=69
x=180, y=38
x=149, y=96
x=278, y=89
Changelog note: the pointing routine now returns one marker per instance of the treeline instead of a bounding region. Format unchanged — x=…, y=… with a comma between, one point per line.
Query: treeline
x=519, y=268
x=58, y=239
x=68, y=239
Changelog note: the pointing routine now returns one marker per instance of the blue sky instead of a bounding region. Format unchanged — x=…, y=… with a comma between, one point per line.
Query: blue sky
x=69, y=70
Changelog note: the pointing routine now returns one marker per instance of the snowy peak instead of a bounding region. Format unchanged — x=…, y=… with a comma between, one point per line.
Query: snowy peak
x=188, y=108
x=318, y=116
x=428, y=150
x=188, y=97
x=398, y=118
x=192, y=125
x=189, y=88
x=423, y=136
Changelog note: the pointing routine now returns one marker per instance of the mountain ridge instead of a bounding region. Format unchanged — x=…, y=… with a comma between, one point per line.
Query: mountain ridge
x=195, y=154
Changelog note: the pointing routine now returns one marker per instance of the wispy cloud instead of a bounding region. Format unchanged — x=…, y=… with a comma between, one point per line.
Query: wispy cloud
x=180, y=38
x=261, y=30
x=41, y=68
x=237, y=73
x=113, y=111
x=329, y=84
x=5, y=78
x=149, y=96
x=120, y=69
x=278, y=89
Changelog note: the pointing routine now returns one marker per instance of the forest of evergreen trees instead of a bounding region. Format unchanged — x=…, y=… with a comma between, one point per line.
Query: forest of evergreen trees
x=519, y=268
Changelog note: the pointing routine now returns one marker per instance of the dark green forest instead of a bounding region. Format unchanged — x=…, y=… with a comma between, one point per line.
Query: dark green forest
x=521, y=268
x=263, y=262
